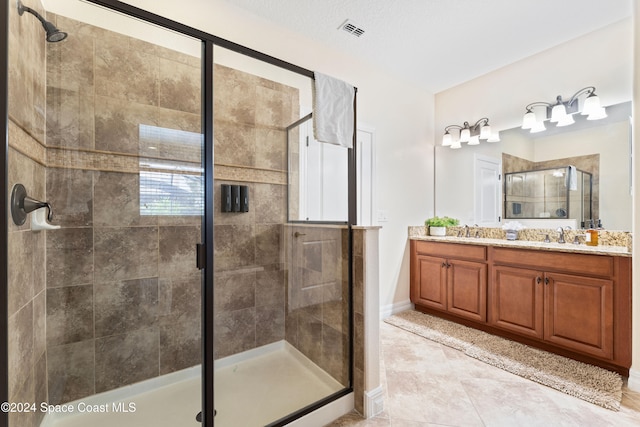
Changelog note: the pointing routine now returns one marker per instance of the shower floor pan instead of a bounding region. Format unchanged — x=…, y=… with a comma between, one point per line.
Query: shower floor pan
x=252, y=388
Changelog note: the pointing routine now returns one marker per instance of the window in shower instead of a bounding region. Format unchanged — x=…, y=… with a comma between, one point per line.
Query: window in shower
x=170, y=187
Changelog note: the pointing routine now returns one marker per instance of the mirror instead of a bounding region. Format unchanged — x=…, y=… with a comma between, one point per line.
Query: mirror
x=464, y=186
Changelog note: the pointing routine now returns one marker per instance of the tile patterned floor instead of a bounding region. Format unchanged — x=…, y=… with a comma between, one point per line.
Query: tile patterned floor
x=428, y=384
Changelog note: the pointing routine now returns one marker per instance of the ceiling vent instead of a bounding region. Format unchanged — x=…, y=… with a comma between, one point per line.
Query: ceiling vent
x=352, y=28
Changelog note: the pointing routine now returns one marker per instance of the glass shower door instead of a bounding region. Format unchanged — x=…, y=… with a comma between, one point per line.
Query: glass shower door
x=282, y=297
x=105, y=304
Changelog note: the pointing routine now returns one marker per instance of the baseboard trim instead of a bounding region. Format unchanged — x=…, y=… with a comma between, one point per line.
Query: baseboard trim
x=391, y=309
x=634, y=380
x=373, y=402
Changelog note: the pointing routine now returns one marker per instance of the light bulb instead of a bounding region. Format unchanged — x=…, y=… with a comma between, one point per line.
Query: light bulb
x=591, y=105
x=447, y=139
x=465, y=134
x=558, y=113
x=538, y=127
x=601, y=113
x=529, y=120
x=566, y=121
x=485, y=132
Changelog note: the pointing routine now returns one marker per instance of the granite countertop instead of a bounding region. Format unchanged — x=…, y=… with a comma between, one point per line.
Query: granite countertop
x=526, y=244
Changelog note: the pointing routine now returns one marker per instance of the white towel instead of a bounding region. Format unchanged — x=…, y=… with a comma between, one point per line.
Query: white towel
x=333, y=114
x=573, y=178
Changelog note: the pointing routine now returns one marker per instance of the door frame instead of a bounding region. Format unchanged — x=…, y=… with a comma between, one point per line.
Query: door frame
x=368, y=178
x=477, y=158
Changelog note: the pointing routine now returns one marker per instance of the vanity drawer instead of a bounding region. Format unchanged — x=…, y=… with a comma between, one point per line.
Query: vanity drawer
x=591, y=265
x=452, y=250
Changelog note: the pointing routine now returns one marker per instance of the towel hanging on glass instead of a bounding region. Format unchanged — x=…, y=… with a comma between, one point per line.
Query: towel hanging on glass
x=333, y=114
x=573, y=178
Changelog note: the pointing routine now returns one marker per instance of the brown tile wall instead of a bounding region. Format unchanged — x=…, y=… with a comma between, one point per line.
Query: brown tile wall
x=26, y=249
x=317, y=296
x=123, y=292
x=250, y=149
x=359, y=243
x=119, y=292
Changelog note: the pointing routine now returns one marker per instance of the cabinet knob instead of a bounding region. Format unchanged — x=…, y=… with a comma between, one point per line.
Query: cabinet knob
x=538, y=280
x=546, y=280
x=444, y=264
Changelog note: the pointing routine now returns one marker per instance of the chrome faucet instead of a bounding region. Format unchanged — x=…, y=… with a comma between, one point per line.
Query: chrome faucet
x=466, y=234
x=561, y=235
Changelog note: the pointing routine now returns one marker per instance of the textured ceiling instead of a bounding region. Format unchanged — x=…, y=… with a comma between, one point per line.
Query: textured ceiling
x=441, y=43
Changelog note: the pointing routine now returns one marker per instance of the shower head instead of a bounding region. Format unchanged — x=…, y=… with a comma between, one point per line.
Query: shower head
x=53, y=34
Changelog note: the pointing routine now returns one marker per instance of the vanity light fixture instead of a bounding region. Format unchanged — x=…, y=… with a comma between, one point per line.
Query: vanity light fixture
x=471, y=134
x=561, y=113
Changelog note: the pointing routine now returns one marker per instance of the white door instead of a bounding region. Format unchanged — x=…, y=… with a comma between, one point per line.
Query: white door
x=487, y=191
x=324, y=176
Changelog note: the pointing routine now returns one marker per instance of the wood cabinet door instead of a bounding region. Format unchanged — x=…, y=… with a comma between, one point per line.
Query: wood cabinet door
x=579, y=313
x=467, y=289
x=517, y=300
x=429, y=285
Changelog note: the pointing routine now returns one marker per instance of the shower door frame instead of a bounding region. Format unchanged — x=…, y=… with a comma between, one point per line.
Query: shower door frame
x=205, y=256
x=4, y=226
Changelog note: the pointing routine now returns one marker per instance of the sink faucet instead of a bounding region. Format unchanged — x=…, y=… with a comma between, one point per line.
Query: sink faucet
x=466, y=234
x=561, y=235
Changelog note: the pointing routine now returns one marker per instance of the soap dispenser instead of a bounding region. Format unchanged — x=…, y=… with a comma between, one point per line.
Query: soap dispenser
x=591, y=236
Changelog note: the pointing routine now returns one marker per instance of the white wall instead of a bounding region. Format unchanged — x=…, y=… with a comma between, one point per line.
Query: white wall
x=603, y=59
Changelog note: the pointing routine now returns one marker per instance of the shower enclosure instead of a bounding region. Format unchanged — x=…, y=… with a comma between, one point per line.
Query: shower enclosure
x=145, y=300
x=550, y=193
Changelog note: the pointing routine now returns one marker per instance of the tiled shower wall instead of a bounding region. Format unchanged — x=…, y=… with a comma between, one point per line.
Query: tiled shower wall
x=251, y=114
x=118, y=292
x=317, y=321
x=26, y=249
x=123, y=292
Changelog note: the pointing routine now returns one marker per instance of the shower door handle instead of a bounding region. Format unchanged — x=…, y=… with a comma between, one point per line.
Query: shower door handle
x=201, y=256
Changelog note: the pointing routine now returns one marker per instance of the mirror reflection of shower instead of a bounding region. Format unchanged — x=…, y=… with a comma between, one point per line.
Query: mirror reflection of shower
x=53, y=34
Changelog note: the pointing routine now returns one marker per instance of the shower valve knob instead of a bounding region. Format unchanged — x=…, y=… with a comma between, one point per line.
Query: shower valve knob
x=21, y=205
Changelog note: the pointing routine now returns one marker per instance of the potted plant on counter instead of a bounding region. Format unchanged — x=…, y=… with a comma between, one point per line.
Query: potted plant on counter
x=438, y=225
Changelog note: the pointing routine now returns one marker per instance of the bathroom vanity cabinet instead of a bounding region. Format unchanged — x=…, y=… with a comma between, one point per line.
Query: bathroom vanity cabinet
x=451, y=278
x=574, y=304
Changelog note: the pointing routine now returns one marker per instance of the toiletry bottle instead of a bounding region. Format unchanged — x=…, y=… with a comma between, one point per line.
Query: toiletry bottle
x=591, y=236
